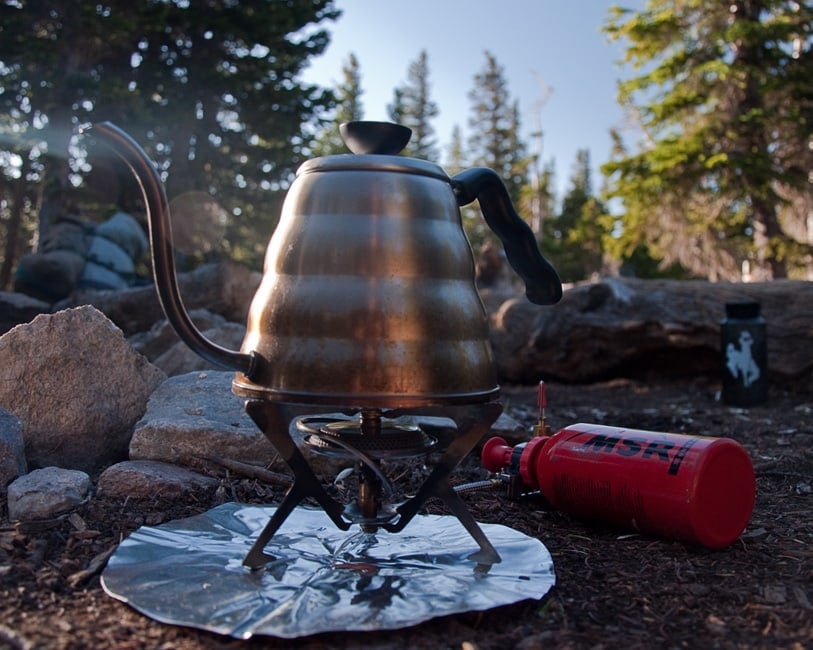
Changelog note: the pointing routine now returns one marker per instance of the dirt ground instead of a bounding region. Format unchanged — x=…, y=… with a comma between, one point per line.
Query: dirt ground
x=614, y=589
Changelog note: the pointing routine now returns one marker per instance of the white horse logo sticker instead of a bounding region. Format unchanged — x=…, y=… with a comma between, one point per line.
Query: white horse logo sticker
x=740, y=362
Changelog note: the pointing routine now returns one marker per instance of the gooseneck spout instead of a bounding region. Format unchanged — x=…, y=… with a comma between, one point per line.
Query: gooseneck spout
x=163, y=260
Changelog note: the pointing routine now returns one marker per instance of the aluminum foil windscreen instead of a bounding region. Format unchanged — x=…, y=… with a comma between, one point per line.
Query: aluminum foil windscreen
x=189, y=572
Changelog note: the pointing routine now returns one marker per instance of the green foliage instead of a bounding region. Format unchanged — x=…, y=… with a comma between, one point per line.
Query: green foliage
x=495, y=140
x=720, y=92
x=573, y=241
x=349, y=108
x=722, y=95
x=413, y=107
x=211, y=90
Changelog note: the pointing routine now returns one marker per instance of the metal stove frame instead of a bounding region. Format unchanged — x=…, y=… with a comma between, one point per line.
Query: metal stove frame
x=274, y=420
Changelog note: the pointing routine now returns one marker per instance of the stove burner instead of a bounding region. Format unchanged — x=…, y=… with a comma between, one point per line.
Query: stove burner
x=370, y=439
x=345, y=438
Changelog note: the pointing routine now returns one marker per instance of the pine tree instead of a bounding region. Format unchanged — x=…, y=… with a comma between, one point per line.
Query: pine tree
x=456, y=154
x=495, y=128
x=213, y=92
x=413, y=107
x=349, y=108
x=725, y=104
x=574, y=238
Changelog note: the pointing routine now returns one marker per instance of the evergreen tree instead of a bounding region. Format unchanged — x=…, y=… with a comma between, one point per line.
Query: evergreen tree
x=412, y=107
x=50, y=84
x=495, y=128
x=397, y=110
x=349, y=108
x=456, y=154
x=574, y=237
x=725, y=103
x=212, y=91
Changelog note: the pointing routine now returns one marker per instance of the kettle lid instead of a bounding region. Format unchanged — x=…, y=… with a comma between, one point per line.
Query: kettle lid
x=375, y=147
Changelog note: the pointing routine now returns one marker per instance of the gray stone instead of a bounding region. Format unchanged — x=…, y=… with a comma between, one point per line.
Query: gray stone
x=444, y=429
x=47, y=493
x=12, y=449
x=196, y=415
x=17, y=308
x=192, y=416
x=224, y=287
x=77, y=387
x=161, y=337
x=146, y=479
x=180, y=359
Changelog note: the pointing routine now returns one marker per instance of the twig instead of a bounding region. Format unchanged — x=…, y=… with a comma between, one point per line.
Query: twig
x=96, y=565
x=250, y=471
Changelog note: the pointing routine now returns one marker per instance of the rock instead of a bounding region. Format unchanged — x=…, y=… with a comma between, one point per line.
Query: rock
x=180, y=359
x=47, y=493
x=225, y=288
x=627, y=327
x=444, y=429
x=493, y=299
x=147, y=479
x=508, y=428
x=12, y=449
x=77, y=387
x=16, y=308
x=194, y=415
x=161, y=337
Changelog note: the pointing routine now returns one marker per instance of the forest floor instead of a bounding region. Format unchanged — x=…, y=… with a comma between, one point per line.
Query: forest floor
x=614, y=589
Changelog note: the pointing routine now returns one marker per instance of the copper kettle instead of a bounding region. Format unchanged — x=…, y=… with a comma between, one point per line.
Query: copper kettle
x=368, y=295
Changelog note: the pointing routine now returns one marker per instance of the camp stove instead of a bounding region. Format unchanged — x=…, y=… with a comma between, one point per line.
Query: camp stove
x=373, y=436
x=367, y=308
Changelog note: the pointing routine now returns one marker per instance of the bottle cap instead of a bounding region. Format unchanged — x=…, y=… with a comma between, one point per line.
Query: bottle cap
x=723, y=496
x=742, y=309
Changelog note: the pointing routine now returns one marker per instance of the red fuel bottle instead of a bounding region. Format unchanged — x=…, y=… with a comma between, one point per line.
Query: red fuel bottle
x=696, y=489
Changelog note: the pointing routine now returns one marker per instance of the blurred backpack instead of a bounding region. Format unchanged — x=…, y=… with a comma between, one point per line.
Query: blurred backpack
x=79, y=255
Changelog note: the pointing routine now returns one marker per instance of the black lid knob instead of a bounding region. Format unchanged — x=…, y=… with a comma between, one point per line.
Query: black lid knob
x=375, y=137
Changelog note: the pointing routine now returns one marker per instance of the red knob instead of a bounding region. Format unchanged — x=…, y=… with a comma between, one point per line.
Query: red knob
x=496, y=454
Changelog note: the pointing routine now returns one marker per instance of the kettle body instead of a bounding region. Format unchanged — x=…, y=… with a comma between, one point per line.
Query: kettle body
x=368, y=296
x=367, y=293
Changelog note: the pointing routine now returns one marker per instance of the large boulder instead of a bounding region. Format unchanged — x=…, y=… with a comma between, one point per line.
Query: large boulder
x=195, y=416
x=179, y=359
x=626, y=327
x=77, y=387
x=157, y=340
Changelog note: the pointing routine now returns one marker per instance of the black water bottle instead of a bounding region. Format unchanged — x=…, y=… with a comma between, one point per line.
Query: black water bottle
x=744, y=355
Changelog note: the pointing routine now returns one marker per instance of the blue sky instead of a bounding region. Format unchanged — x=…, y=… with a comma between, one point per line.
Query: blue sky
x=558, y=64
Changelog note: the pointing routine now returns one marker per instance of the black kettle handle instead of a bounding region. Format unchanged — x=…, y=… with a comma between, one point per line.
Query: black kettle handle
x=542, y=283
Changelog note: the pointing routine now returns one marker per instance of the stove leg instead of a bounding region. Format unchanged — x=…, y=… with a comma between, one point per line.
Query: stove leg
x=274, y=421
x=473, y=422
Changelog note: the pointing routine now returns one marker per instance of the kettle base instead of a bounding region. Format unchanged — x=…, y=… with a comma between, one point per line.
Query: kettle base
x=245, y=388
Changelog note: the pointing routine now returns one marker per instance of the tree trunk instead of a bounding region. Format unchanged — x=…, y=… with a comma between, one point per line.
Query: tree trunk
x=757, y=183
x=12, y=233
x=625, y=327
